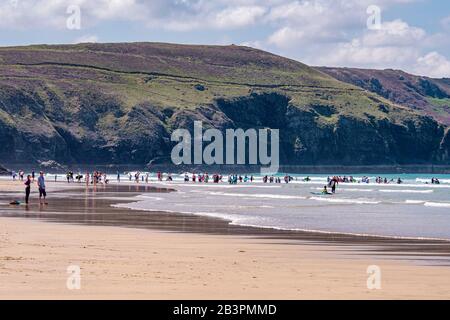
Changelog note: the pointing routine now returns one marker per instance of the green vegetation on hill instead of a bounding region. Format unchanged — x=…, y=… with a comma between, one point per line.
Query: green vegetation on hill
x=118, y=103
x=425, y=95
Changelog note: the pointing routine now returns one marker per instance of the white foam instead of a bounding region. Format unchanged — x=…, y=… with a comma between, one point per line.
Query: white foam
x=244, y=221
x=349, y=189
x=438, y=204
x=256, y=195
x=356, y=190
x=218, y=185
x=150, y=197
x=406, y=191
x=341, y=200
x=422, y=180
x=344, y=233
x=414, y=201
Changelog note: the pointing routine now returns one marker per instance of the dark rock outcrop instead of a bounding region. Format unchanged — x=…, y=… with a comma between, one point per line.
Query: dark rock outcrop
x=3, y=170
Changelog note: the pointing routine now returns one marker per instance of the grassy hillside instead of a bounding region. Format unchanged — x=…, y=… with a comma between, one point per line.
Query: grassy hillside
x=426, y=95
x=117, y=103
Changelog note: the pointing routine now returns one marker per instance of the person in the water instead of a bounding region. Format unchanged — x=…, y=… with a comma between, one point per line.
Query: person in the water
x=333, y=183
x=325, y=190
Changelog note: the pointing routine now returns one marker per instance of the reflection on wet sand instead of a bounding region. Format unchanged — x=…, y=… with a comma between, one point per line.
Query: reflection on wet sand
x=92, y=206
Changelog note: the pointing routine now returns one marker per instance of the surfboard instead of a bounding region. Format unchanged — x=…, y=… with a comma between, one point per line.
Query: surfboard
x=321, y=194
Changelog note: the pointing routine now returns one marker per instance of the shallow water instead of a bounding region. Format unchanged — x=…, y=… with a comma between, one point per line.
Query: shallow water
x=413, y=209
x=409, y=210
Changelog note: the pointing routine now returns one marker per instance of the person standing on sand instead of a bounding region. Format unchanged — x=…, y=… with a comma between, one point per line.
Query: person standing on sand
x=41, y=186
x=27, y=188
x=118, y=176
x=32, y=175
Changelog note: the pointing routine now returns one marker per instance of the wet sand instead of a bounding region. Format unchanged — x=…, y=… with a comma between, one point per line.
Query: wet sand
x=168, y=256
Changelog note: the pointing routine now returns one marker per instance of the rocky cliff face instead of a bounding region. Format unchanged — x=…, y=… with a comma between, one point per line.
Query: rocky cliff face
x=306, y=139
x=118, y=104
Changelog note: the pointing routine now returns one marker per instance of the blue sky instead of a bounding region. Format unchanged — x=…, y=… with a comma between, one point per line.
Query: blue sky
x=413, y=35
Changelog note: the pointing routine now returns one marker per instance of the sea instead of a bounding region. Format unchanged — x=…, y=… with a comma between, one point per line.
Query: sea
x=414, y=209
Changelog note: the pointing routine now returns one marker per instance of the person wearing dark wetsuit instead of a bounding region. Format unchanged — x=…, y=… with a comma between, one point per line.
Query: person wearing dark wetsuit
x=27, y=188
x=332, y=184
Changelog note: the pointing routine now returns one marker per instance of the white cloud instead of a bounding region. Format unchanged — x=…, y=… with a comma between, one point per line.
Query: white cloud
x=434, y=65
x=86, y=39
x=396, y=45
x=394, y=33
x=391, y=45
x=335, y=34
x=286, y=37
x=239, y=17
x=325, y=32
x=216, y=18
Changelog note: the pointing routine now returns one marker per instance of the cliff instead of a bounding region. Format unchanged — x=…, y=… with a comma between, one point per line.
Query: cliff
x=119, y=103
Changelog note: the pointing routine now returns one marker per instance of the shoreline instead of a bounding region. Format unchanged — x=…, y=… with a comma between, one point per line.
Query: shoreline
x=329, y=169
x=101, y=207
x=176, y=256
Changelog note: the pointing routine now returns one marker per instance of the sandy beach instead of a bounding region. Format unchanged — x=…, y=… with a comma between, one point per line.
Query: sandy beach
x=182, y=262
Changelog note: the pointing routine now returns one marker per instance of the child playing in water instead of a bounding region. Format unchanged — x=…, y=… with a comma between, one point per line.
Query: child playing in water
x=325, y=190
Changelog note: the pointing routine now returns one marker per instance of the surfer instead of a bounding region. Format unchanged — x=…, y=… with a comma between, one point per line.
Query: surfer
x=325, y=190
x=435, y=181
x=79, y=176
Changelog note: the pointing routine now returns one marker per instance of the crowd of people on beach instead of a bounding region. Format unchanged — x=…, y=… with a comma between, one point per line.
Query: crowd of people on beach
x=139, y=177
x=98, y=177
x=364, y=179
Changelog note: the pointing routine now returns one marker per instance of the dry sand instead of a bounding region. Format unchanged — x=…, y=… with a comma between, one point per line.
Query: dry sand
x=18, y=186
x=143, y=264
